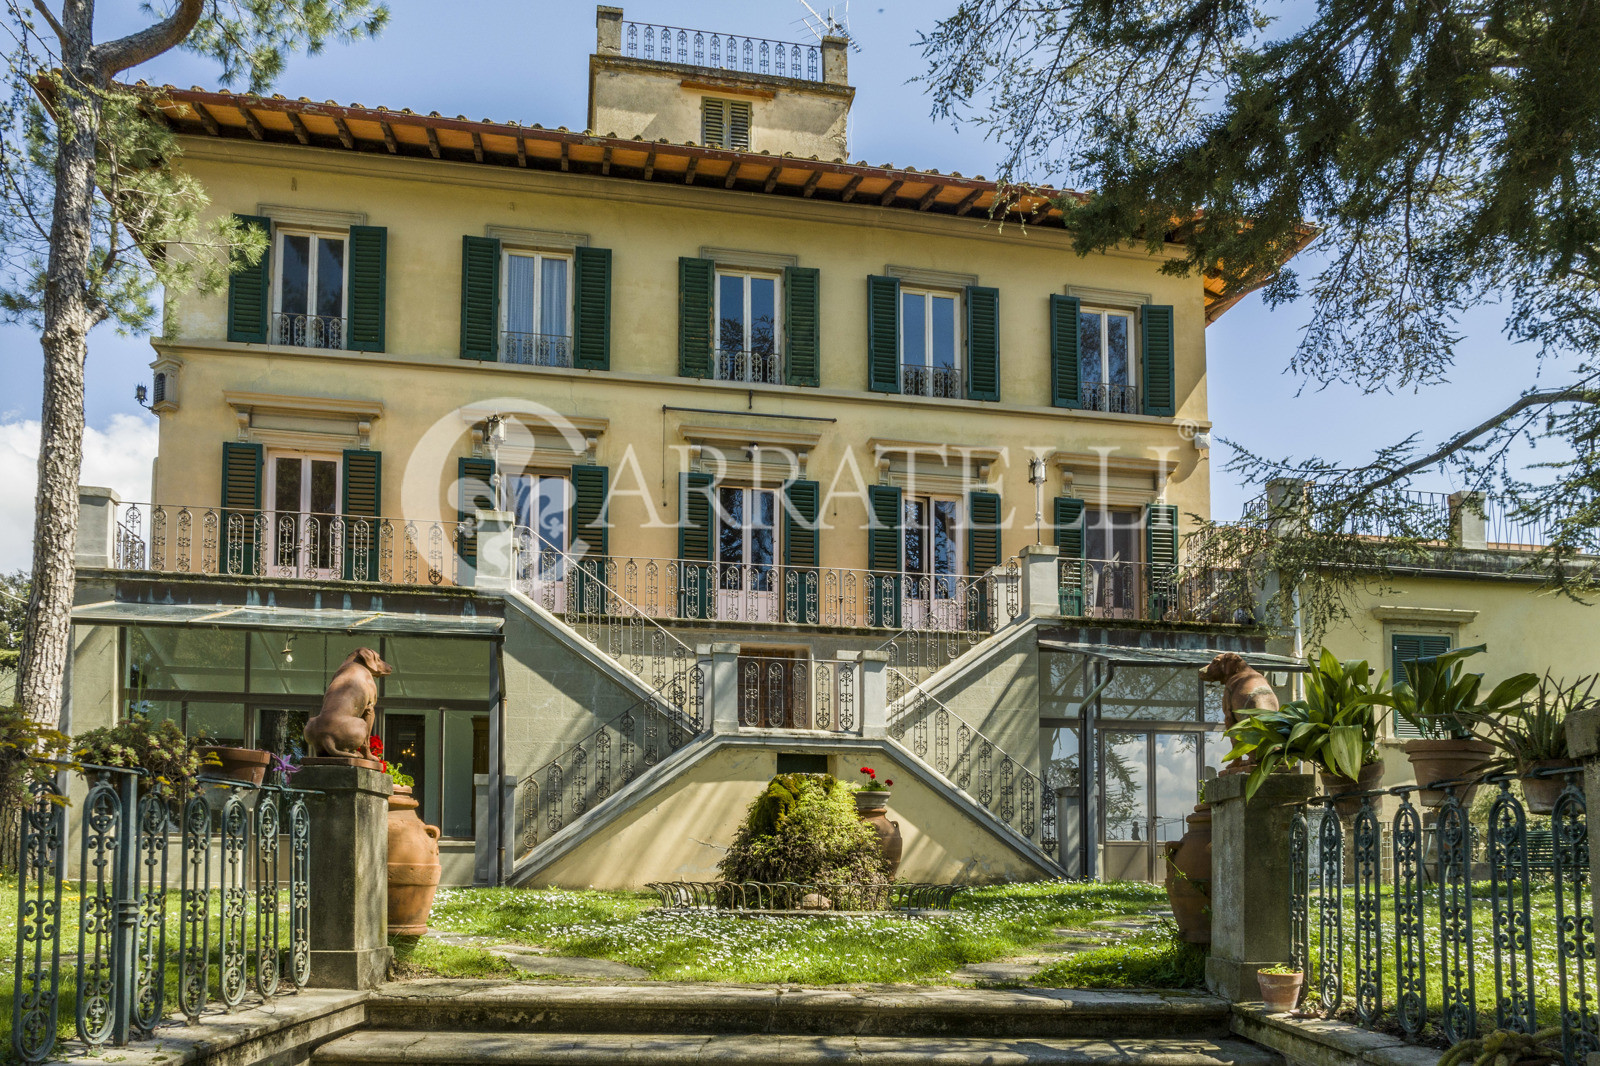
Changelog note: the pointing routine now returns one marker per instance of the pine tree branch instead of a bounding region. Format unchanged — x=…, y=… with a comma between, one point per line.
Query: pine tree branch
x=113, y=57
x=50, y=17
x=1461, y=440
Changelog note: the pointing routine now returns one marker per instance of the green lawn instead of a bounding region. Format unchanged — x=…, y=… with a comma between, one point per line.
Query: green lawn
x=984, y=924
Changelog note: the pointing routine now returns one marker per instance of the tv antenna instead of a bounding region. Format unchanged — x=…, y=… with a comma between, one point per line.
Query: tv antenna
x=834, y=22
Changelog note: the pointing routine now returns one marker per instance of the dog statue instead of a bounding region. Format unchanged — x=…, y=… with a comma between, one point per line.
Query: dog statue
x=1243, y=686
x=344, y=725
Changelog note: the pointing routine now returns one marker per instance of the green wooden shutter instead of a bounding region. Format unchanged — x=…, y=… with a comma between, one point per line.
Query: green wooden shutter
x=1404, y=647
x=1064, y=352
x=695, y=278
x=480, y=298
x=1155, y=344
x=983, y=343
x=474, y=493
x=250, y=290
x=589, y=522
x=801, y=551
x=800, y=323
x=983, y=554
x=369, y=253
x=883, y=334
x=713, y=122
x=363, y=494
x=1161, y=559
x=591, y=321
x=694, y=545
x=1070, y=541
x=241, y=504
x=884, y=555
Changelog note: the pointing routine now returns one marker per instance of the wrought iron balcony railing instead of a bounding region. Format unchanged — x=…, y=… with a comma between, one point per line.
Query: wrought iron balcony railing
x=1112, y=399
x=722, y=51
x=288, y=544
x=536, y=349
x=943, y=382
x=778, y=693
x=755, y=365
x=1119, y=589
x=308, y=331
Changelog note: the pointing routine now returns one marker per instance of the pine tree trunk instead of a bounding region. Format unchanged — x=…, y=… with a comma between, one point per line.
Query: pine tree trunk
x=68, y=316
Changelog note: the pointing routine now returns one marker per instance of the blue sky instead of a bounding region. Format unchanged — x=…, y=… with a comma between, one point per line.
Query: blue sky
x=529, y=62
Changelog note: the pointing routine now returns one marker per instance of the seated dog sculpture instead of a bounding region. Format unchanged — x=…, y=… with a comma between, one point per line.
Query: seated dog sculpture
x=344, y=725
x=1243, y=686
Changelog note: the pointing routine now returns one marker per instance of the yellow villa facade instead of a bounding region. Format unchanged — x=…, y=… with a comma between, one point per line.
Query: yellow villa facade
x=662, y=456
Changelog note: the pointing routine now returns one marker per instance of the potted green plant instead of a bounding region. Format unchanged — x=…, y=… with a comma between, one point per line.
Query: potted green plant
x=1532, y=737
x=237, y=764
x=1441, y=700
x=1280, y=987
x=172, y=760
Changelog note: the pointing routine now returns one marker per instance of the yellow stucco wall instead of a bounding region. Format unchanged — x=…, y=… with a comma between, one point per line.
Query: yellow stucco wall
x=421, y=381
x=684, y=830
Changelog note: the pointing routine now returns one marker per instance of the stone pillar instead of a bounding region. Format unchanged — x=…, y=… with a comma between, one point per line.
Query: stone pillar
x=482, y=831
x=1468, y=526
x=724, y=686
x=349, y=891
x=496, y=565
x=874, y=693
x=836, y=60
x=1583, y=743
x=97, y=528
x=1250, y=879
x=608, y=31
x=1041, y=581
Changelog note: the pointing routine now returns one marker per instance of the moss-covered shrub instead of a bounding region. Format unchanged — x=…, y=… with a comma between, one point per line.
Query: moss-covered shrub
x=804, y=827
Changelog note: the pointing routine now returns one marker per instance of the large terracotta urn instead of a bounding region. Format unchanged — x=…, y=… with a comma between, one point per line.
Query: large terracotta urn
x=413, y=865
x=1447, y=760
x=1188, y=880
x=873, y=808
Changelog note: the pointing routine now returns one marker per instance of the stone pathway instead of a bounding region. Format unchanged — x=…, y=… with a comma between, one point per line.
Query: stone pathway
x=1020, y=969
x=537, y=960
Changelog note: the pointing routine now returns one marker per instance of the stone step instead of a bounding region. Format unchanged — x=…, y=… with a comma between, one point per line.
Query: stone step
x=387, y=1048
x=442, y=1005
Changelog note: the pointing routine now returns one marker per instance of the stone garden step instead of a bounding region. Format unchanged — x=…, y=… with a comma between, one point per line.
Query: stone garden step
x=487, y=1007
x=383, y=1048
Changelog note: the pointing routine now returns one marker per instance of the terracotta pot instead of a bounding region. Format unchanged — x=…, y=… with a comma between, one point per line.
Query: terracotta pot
x=1333, y=784
x=1191, y=907
x=1192, y=856
x=873, y=808
x=238, y=764
x=413, y=865
x=1540, y=792
x=1447, y=760
x=1280, y=991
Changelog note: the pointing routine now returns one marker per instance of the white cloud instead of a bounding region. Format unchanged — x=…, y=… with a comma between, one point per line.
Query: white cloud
x=118, y=456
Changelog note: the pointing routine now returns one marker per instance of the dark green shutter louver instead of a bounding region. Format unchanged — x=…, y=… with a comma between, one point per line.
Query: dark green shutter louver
x=801, y=554
x=983, y=554
x=241, y=504
x=480, y=298
x=1161, y=559
x=363, y=494
x=983, y=343
x=883, y=555
x=250, y=290
x=369, y=253
x=591, y=321
x=883, y=333
x=695, y=277
x=694, y=545
x=589, y=524
x=1403, y=648
x=800, y=323
x=1070, y=541
x=474, y=493
x=1155, y=344
x=1064, y=352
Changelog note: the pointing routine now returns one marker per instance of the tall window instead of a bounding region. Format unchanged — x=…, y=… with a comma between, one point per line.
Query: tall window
x=302, y=505
x=1105, y=364
x=747, y=327
x=310, y=310
x=932, y=547
x=538, y=309
x=1113, y=578
x=930, y=344
x=747, y=538
x=542, y=503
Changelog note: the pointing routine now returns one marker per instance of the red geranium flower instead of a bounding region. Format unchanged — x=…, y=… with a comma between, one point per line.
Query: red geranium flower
x=376, y=743
x=888, y=783
x=384, y=765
